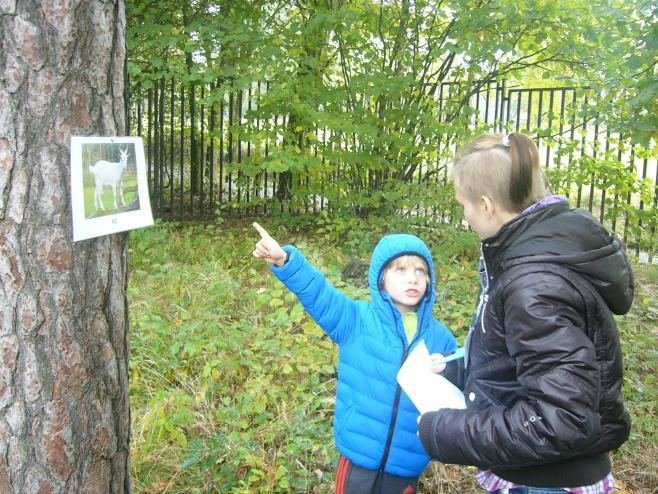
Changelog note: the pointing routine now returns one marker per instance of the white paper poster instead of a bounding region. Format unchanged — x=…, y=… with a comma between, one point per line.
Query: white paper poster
x=109, y=189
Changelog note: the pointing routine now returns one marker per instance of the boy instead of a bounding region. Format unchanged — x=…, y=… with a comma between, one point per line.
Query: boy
x=374, y=421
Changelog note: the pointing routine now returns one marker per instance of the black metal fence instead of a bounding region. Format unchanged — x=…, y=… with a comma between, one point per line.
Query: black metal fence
x=194, y=153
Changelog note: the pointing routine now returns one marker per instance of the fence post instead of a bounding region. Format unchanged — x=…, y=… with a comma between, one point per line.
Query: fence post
x=162, y=155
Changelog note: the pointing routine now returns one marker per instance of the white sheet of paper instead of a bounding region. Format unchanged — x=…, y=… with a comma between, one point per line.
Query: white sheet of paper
x=428, y=391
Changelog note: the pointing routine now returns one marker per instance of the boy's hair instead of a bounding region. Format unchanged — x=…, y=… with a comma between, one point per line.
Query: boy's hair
x=406, y=260
x=506, y=169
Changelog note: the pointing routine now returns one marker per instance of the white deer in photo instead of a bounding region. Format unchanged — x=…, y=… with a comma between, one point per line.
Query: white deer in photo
x=109, y=173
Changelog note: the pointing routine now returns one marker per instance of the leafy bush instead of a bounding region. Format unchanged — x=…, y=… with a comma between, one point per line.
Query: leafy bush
x=232, y=384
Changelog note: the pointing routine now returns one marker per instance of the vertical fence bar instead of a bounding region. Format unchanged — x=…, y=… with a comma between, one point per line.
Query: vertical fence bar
x=603, y=191
x=572, y=134
x=202, y=141
x=149, y=146
x=499, y=115
x=615, y=208
x=211, y=149
x=631, y=167
x=287, y=185
x=486, y=103
x=250, y=181
x=222, y=151
x=230, y=146
x=476, y=115
x=645, y=164
x=583, y=141
x=505, y=104
x=518, y=110
x=259, y=190
x=267, y=153
x=276, y=133
x=563, y=102
x=156, y=147
x=550, y=126
x=590, y=205
x=652, y=245
x=182, y=148
x=194, y=163
x=529, y=110
x=239, y=141
x=163, y=155
x=316, y=145
x=172, y=97
x=540, y=109
x=438, y=145
x=300, y=178
x=140, y=101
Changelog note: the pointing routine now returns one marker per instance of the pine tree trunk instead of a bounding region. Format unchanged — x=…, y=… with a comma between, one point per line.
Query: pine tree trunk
x=64, y=411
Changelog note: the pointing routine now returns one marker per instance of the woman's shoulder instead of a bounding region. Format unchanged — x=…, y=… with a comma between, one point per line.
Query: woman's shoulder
x=541, y=285
x=539, y=275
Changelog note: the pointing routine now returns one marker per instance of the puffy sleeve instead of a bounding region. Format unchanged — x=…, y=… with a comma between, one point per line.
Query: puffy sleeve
x=545, y=333
x=334, y=311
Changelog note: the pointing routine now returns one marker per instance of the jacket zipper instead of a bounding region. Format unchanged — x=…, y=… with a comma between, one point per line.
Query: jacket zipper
x=485, y=295
x=484, y=307
x=396, y=404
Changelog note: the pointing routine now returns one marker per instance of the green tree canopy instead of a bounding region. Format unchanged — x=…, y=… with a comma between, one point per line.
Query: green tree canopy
x=384, y=87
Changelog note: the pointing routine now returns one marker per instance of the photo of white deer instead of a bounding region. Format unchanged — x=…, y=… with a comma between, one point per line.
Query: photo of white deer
x=109, y=173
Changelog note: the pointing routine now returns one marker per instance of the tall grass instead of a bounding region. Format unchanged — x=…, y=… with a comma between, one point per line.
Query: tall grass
x=232, y=384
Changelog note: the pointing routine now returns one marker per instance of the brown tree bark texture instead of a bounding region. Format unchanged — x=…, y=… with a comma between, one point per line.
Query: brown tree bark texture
x=64, y=410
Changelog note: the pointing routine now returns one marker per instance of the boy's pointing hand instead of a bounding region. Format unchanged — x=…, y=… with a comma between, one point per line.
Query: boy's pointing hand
x=269, y=249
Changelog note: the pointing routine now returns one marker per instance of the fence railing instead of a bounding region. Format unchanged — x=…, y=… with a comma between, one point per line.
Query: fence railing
x=195, y=154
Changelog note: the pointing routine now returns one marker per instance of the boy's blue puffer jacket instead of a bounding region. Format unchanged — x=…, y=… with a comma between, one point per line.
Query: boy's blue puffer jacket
x=374, y=420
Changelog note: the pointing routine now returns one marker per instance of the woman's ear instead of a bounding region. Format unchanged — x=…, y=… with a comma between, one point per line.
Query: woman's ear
x=488, y=206
x=494, y=210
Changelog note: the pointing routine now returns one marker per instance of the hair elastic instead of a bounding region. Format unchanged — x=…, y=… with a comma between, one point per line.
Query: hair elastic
x=506, y=142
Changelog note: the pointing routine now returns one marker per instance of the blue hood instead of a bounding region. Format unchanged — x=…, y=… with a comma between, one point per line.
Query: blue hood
x=387, y=249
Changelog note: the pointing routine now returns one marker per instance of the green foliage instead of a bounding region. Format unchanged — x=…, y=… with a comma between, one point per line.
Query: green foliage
x=616, y=170
x=219, y=350
x=232, y=384
x=639, y=339
x=363, y=98
x=626, y=84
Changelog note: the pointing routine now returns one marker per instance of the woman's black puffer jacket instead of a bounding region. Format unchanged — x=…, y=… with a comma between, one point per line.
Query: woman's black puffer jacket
x=543, y=371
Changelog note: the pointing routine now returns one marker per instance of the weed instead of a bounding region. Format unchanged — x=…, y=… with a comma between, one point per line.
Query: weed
x=232, y=384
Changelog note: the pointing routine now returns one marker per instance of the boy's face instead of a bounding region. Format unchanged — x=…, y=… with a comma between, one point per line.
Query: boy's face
x=405, y=280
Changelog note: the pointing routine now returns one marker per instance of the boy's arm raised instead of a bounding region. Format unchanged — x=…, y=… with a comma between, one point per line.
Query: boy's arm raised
x=334, y=311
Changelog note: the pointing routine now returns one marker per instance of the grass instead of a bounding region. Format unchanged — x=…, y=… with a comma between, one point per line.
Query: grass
x=232, y=385
x=129, y=194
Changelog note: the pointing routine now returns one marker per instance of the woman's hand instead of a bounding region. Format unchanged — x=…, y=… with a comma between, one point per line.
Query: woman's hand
x=437, y=367
x=439, y=360
x=269, y=249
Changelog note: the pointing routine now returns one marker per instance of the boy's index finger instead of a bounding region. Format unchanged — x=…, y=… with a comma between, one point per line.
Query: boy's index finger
x=261, y=230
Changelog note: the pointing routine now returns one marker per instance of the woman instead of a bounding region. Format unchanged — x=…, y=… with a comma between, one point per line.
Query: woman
x=543, y=369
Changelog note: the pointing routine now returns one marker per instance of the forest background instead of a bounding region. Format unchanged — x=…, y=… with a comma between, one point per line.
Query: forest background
x=232, y=384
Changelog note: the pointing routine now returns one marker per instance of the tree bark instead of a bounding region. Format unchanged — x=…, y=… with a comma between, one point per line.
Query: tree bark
x=64, y=410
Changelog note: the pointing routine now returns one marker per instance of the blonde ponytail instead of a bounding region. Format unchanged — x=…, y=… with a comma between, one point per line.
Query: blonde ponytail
x=504, y=168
